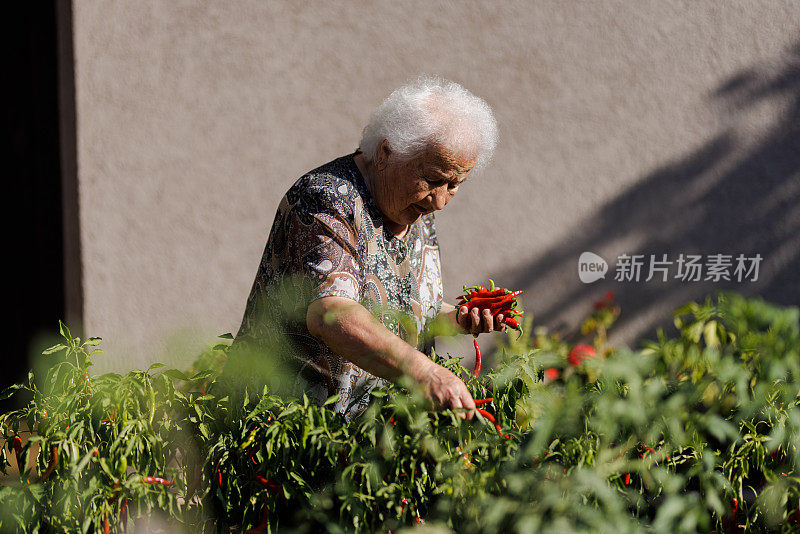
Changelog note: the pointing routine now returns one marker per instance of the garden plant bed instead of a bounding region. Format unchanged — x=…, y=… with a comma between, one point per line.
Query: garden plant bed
x=694, y=432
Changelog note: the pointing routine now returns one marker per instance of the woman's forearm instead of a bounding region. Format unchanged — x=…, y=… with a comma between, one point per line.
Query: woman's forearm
x=351, y=331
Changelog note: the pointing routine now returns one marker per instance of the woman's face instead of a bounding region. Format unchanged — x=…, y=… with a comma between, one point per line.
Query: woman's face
x=406, y=191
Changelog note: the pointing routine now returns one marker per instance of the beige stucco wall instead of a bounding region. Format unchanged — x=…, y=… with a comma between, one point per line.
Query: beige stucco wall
x=626, y=127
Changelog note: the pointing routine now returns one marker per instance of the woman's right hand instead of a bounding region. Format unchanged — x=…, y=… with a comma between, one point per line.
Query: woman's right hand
x=446, y=390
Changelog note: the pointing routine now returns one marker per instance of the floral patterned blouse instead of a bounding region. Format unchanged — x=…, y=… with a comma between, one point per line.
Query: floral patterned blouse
x=329, y=239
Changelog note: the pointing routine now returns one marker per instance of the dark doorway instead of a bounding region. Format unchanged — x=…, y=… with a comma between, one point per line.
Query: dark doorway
x=33, y=198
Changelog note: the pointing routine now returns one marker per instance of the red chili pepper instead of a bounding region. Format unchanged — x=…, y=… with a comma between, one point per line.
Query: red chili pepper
x=729, y=521
x=106, y=528
x=503, y=307
x=479, y=303
x=477, y=371
x=485, y=294
x=491, y=419
x=493, y=302
x=270, y=485
x=494, y=296
x=500, y=301
x=219, y=477
x=505, y=312
x=16, y=446
x=645, y=450
x=261, y=527
x=123, y=519
x=627, y=479
x=579, y=353
x=487, y=415
x=479, y=402
x=51, y=465
x=156, y=480
x=474, y=289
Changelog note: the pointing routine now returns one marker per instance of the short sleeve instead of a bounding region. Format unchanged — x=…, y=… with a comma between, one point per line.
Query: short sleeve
x=324, y=243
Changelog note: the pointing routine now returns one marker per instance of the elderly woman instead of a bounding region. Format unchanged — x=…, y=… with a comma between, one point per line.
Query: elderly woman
x=356, y=240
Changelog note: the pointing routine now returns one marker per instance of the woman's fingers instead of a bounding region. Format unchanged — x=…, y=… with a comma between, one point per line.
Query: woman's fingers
x=488, y=321
x=457, y=404
x=463, y=318
x=462, y=399
x=475, y=322
x=447, y=390
x=469, y=403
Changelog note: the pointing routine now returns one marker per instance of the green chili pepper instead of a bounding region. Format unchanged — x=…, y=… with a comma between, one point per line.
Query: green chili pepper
x=250, y=439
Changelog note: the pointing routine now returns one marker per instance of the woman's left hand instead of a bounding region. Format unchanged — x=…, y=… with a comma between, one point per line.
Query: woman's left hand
x=472, y=322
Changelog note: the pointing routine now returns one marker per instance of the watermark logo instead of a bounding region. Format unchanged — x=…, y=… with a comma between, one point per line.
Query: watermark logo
x=591, y=267
x=684, y=268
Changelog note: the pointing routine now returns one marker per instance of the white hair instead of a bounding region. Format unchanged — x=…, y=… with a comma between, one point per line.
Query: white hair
x=432, y=111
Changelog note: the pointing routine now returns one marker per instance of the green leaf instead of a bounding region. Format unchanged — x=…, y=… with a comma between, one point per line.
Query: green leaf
x=78, y=469
x=202, y=375
x=176, y=374
x=106, y=469
x=331, y=400
x=63, y=330
x=9, y=391
x=710, y=334
x=55, y=348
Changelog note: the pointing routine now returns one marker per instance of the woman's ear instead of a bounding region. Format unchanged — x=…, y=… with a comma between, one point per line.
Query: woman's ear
x=382, y=155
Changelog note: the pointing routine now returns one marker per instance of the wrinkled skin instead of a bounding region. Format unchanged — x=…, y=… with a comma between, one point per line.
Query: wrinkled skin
x=404, y=191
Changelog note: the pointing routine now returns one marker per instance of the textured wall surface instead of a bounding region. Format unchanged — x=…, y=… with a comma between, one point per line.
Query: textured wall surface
x=638, y=127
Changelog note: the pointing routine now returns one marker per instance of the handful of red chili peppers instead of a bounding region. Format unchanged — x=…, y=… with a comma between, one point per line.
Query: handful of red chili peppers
x=497, y=300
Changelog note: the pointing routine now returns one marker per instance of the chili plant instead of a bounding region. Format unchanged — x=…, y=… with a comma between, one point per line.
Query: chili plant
x=696, y=431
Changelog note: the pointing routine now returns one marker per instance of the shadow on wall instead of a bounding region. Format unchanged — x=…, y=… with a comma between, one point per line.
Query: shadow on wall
x=731, y=196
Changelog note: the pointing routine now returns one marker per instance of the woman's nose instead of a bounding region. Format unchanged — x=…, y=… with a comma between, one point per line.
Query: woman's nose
x=440, y=197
